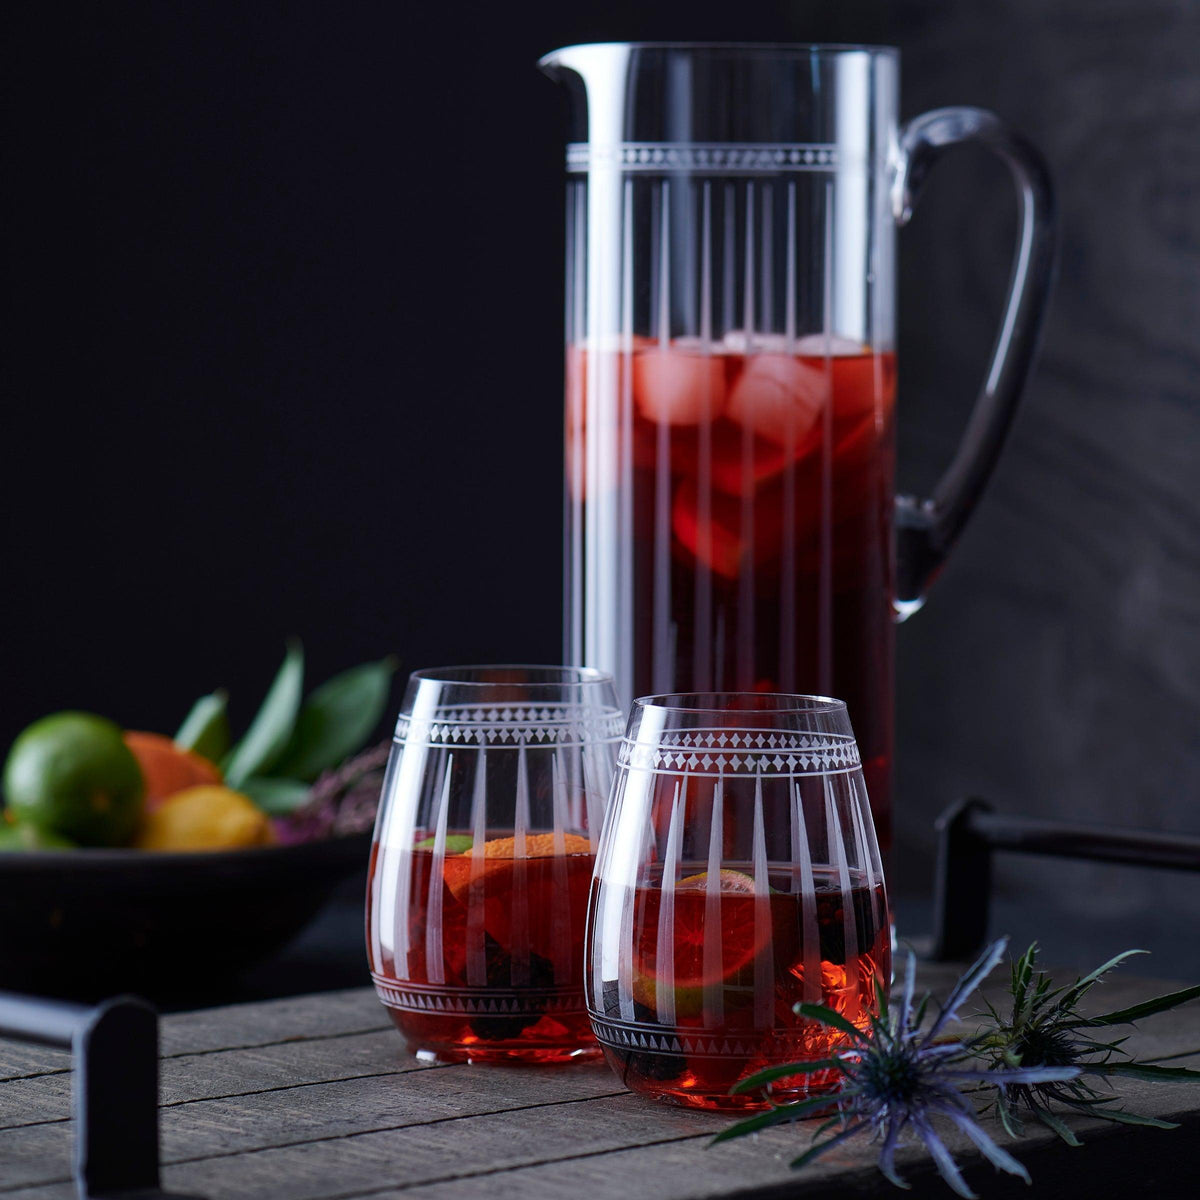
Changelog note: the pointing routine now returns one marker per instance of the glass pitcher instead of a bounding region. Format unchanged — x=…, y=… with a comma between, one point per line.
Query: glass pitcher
x=731, y=522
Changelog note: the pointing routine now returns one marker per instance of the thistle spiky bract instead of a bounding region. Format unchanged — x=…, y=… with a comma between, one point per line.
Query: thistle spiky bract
x=895, y=1077
x=1045, y=1028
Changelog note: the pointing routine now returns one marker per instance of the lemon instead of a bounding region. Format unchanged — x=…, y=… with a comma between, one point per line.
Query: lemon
x=71, y=774
x=207, y=817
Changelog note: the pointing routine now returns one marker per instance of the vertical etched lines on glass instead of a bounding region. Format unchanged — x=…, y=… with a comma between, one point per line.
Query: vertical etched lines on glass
x=625, y=564
x=577, y=381
x=804, y=883
x=767, y=252
x=790, y=271
x=476, y=962
x=787, y=558
x=399, y=914
x=594, y=797
x=435, y=963
x=865, y=856
x=764, y=961
x=663, y=632
x=664, y=946
x=522, y=948
x=837, y=858
x=746, y=586
x=729, y=259
x=625, y=896
x=825, y=583
x=714, y=966
x=702, y=624
x=601, y=925
x=561, y=916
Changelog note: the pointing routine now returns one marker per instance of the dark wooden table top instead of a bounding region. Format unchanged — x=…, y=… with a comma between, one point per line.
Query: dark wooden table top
x=314, y=1098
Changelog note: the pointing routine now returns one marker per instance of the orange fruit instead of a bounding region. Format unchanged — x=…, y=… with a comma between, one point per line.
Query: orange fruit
x=740, y=942
x=166, y=768
x=499, y=854
x=741, y=938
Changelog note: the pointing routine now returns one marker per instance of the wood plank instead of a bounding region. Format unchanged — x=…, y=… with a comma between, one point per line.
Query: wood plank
x=20, y=1059
x=758, y=1167
x=325, y=1014
x=267, y=1023
x=351, y=1114
x=224, y=1073
x=453, y=1147
x=414, y=1095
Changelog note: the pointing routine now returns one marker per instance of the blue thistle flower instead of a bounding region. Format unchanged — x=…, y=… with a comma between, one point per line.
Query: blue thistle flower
x=1047, y=1028
x=896, y=1077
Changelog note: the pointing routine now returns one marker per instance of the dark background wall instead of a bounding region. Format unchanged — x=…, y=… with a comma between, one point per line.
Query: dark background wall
x=284, y=356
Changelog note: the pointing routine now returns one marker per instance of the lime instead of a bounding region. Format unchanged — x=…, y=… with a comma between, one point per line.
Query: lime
x=23, y=836
x=71, y=774
x=456, y=843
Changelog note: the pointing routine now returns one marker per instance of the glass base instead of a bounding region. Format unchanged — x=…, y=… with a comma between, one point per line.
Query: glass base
x=705, y=1084
x=510, y=1056
x=443, y=1024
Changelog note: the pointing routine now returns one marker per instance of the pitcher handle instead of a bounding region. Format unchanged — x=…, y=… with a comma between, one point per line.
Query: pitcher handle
x=926, y=529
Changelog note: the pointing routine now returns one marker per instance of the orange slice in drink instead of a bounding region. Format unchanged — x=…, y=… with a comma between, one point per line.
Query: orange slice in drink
x=498, y=856
x=741, y=940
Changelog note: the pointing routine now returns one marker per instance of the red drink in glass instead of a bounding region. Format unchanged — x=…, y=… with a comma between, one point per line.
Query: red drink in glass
x=732, y=1018
x=494, y=960
x=755, y=480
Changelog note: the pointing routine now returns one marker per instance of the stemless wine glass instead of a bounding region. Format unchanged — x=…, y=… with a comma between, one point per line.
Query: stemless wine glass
x=738, y=876
x=483, y=852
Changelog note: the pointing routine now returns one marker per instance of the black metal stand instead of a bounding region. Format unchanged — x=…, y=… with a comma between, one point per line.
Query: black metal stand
x=115, y=1046
x=970, y=832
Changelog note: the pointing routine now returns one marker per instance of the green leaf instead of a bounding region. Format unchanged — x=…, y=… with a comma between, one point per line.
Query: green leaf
x=1147, y=1008
x=769, y=1074
x=829, y=1143
x=276, y=797
x=1052, y=1122
x=919, y=1017
x=1022, y=973
x=818, y=1012
x=1009, y=1119
x=337, y=719
x=772, y=1116
x=272, y=727
x=205, y=729
x=1127, y=1118
x=1134, y=1070
x=1081, y=986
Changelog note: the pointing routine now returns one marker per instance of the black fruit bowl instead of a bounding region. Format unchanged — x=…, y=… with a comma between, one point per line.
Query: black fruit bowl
x=89, y=923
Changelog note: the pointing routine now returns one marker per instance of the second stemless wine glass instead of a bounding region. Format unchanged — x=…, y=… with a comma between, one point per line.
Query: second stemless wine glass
x=483, y=851
x=738, y=876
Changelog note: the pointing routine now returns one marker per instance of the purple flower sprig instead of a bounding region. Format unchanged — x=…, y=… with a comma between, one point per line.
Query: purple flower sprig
x=342, y=801
x=897, y=1076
